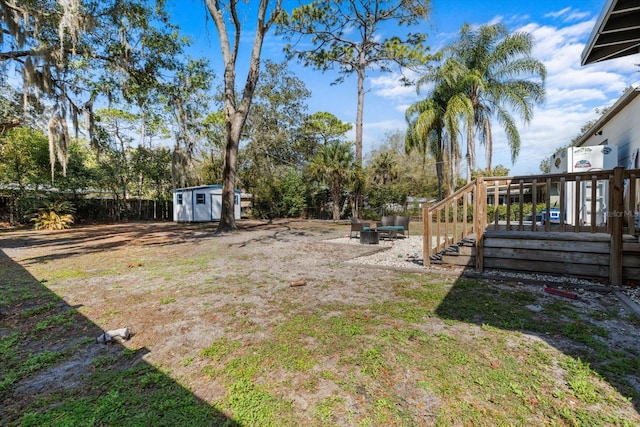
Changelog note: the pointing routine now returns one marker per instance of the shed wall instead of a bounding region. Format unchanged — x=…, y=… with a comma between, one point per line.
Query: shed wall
x=201, y=204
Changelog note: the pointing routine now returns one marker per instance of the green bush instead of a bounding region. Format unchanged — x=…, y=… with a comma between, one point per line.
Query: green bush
x=54, y=215
x=514, y=214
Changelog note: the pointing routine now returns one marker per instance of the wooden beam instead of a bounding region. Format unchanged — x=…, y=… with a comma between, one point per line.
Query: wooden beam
x=577, y=203
x=616, y=215
x=631, y=212
x=563, y=203
x=426, y=236
x=479, y=218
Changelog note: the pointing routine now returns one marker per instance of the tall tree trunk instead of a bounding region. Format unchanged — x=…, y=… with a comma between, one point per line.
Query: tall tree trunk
x=489, y=145
x=471, y=153
x=237, y=112
x=359, y=126
x=360, y=115
x=227, y=214
x=335, y=195
x=440, y=173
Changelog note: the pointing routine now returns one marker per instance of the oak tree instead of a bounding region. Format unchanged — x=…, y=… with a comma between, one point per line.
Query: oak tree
x=230, y=22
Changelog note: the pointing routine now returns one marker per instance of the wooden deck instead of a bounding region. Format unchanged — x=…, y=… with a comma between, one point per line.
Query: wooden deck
x=583, y=243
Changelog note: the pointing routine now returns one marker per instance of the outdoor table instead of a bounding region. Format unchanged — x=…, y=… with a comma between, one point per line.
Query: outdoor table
x=390, y=230
x=369, y=237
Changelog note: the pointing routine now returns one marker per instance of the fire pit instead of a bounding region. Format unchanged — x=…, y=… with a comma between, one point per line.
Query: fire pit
x=369, y=237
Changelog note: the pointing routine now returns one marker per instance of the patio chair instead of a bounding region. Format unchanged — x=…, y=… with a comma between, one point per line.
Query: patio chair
x=387, y=221
x=404, y=222
x=357, y=226
x=394, y=224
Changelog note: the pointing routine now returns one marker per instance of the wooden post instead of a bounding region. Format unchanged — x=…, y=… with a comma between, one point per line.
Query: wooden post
x=616, y=215
x=465, y=205
x=508, y=205
x=547, y=223
x=520, y=203
x=631, y=212
x=479, y=219
x=563, y=203
x=577, y=205
x=534, y=204
x=426, y=236
x=446, y=224
x=594, y=194
x=496, y=203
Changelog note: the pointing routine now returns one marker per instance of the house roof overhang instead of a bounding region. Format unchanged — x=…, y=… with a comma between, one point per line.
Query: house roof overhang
x=616, y=33
x=630, y=94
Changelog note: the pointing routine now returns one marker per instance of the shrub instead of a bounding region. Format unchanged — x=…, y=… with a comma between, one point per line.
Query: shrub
x=54, y=215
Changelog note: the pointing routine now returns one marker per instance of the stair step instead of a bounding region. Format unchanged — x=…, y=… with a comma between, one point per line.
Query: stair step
x=463, y=260
x=461, y=253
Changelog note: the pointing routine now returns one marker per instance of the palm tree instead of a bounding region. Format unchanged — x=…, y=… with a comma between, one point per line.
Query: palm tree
x=425, y=134
x=384, y=168
x=492, y=64
x=433, y=123
x=333, y=164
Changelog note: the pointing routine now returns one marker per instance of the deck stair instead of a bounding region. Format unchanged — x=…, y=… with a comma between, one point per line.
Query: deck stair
x=489, y=223
x=461, y=253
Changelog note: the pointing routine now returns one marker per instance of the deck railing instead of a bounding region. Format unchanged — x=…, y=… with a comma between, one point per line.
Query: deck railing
x=591, y=201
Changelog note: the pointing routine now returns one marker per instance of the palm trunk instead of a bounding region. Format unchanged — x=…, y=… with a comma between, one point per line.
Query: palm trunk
x=488, y=145
x=471, y=153
x=335, y=195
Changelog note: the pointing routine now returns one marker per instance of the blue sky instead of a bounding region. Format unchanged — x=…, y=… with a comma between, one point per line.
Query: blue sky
x=560, y=29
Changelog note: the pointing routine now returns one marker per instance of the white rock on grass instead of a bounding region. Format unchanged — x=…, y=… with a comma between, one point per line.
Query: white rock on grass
x=407, y=253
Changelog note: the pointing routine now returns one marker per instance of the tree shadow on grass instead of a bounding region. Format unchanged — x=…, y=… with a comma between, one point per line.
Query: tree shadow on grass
x=595, y=330
x=53, y=371
x=85, y=240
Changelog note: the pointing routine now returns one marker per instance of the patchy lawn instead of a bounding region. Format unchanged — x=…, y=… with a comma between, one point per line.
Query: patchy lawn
x=221, y=338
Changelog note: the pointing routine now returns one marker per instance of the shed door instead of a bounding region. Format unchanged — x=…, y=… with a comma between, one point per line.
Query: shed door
x=216, y=207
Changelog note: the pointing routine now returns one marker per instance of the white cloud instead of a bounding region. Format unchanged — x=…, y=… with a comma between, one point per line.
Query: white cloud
x=574, y=93
x=390, y=87
x=568, y=14
x=577, y=16
x=496, y=20
x=565, y=96
x=575, y=79
x=558, y=13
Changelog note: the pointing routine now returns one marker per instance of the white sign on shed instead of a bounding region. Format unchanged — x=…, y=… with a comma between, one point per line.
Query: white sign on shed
x=201, y=204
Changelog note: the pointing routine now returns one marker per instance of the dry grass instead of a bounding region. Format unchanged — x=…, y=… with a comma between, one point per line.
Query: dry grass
x=220, y=338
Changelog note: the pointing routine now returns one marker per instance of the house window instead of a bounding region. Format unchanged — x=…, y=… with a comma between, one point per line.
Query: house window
x=200, y=200
x=179, y=198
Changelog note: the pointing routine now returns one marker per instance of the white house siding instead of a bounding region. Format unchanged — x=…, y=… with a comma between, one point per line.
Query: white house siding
x=620, y=126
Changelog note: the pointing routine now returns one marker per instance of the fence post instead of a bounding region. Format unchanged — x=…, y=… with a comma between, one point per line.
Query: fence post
x=479, y=217
x=426, y=236
x=616, y=216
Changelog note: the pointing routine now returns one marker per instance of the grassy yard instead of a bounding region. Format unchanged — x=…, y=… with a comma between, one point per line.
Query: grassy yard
x=219, y=338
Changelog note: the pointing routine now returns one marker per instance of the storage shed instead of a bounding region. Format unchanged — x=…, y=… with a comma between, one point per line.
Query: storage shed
x=201, y=204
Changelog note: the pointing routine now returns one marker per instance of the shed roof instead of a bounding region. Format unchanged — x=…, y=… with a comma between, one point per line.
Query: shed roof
x=201, y=187
x=616, y=33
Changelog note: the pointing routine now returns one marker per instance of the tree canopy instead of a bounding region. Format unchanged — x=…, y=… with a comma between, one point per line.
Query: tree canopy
x=70, y=52
x=485, y=75
x=351, y=35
